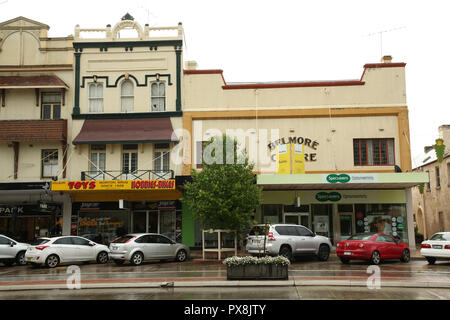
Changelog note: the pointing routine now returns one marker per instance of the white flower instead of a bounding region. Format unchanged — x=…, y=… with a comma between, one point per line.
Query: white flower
x=246, y=260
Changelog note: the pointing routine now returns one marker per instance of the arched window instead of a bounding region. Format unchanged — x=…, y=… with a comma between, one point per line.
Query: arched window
x=158, y=101
x=127, y=96
x=96, y=97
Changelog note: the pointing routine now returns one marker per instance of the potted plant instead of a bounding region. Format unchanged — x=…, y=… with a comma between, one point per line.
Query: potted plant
x=257, y=268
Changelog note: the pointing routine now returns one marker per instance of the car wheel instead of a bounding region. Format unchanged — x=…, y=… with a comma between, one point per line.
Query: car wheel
x=20, y=259
x=52, y=261
x=181, y=256
x=431, y=260
x=406, y=256
x=345, y=260
x=324, y=252
x=119, y=262
x=375, y=258
x=286, y=252
x=137, y=258
x=102, y=257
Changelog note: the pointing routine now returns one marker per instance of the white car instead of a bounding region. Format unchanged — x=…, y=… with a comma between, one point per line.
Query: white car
x=67, y=249
x=12, y=251
x=437, y=247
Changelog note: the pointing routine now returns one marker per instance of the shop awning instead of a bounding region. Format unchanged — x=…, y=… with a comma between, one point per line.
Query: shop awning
x=342, y=181
x=108, y=131
x=27, y=82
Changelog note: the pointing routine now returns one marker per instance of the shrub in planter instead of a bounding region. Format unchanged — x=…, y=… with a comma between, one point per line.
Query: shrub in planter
x=246, y=268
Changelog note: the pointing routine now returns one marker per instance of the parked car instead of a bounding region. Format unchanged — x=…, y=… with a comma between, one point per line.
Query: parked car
x=66, y=249
x=138, y=247
x=436, y=248
x=12, y=251
x=288, y=240
x=373, y=247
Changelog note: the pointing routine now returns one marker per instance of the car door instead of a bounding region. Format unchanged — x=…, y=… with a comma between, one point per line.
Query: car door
x=384, y=247
x=6, y=251
x=82, y=250
x=65, y=249
x=306, y=240
x=166, y=247
x=395, y=247
x=150, y=246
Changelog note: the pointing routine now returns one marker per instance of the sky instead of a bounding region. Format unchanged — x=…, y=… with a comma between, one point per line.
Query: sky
x=290, y=40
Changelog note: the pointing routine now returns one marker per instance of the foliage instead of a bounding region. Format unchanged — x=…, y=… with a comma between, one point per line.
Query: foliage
x=247, y=260
x=223, y=195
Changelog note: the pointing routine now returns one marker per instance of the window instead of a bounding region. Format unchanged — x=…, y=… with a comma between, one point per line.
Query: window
x=161, y=163
x=200, y=147
x=127, y=96
x=80, y=241
x=51, y=106
x=97, y=162
x=65, y=240
x=373, y=152
x=158, y=101
x=438, y=178
x=428, y=183
x=96, y=97
x=129, y=161
x=164, y=240
x=385, y=239
x=49, y=163
x=4, y=240
x=301, y=231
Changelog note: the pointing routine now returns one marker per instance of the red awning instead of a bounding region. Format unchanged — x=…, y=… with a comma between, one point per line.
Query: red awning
x=23, y=82
x=106, y=131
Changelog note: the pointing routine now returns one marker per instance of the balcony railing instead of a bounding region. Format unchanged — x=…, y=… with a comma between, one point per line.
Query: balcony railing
x=121, y=175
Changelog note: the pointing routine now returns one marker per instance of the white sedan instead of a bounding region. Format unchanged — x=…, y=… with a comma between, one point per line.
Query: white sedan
x=67, y=249
x=436, y=248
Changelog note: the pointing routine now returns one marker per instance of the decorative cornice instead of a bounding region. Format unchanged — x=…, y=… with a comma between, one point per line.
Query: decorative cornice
x=134, y=115
x=145, y=84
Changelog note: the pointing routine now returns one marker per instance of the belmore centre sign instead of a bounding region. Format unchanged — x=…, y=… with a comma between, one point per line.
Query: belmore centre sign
x=313, y=144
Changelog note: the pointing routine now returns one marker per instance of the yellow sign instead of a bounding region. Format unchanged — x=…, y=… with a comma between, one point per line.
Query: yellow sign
x=113, y=185
x=284, y=159
x=298, y=159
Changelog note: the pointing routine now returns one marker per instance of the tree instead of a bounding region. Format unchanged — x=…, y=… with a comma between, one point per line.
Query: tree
x=223, y=195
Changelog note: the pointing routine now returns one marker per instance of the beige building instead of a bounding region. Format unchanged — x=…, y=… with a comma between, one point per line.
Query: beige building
x=432, y=202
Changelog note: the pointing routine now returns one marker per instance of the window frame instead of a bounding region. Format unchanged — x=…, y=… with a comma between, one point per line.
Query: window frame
x=93, y=150
x=44, y=157
x=123, y=96
x=96, y=98
x=51, y=104
x=366, y=155
x=159, y=96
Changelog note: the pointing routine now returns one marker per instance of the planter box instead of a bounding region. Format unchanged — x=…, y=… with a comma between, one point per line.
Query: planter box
x=257, y=272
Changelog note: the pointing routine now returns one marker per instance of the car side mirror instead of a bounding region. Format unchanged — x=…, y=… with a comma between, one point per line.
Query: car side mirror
x=92, y=244
x=12, y=244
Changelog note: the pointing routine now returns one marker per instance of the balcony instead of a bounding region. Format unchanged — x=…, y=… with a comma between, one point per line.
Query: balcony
x=121, y=175
x=33, y=130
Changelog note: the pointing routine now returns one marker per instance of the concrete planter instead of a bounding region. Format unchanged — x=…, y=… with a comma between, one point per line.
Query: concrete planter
x=257, y=272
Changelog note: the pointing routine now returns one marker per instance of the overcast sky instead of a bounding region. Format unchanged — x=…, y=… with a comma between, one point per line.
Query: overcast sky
x=260, y=40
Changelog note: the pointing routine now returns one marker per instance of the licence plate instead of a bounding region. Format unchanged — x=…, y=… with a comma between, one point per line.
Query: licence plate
x=114, y=248
x=437, y=246
x=347, y=253
x=256, y=241
x=28, y=259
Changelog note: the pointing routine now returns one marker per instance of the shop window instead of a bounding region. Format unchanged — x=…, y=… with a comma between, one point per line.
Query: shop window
x=271, y=213
x=127, y=96
x=95, y=97
x=49, y=163
x=373, y=152
x=158, y=99
x=51, y=106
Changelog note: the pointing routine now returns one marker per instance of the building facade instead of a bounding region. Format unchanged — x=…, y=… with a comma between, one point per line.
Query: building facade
x=432, y=201
x=119, y=120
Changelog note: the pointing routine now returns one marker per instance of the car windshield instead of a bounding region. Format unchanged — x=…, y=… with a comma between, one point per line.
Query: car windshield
x=123, y=239
x=257, y=231
x=362, y=237
x=441, y=236
x=38, y=242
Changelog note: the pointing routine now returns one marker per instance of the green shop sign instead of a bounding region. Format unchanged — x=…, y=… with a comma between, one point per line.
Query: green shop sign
x=328, y=196
x=335, y=178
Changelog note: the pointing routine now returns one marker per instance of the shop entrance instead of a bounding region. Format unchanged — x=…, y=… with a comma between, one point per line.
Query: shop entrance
x=346, y=221
x=297, y=218
x=155, y=221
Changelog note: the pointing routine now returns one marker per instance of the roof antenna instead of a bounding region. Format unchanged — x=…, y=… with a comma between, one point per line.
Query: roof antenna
x=381, y=37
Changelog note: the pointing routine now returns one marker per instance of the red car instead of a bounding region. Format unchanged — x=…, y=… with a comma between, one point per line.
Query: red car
x=373, y=247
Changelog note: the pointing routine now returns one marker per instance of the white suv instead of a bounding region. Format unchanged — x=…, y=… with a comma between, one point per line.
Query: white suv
x=287, y=240
x=12, y=251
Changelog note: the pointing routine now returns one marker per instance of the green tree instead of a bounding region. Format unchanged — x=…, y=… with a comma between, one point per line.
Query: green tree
x=223, y=195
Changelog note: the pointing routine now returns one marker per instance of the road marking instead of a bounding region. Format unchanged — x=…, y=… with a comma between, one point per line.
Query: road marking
x=436, y=295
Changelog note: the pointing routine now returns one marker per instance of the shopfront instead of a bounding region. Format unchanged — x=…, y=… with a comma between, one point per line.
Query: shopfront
x=338, y=211
x=102, y=210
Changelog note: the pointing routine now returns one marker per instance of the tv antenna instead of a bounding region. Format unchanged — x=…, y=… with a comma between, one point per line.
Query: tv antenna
x=381, y=36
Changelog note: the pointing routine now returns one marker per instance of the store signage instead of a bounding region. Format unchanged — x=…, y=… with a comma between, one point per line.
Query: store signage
x=350, y=178
x=9, y=210
x=338, y=178
x=295, y=141
x=328, y=196
x=113, y=185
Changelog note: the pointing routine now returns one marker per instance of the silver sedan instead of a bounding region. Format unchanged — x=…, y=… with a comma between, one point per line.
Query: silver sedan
x=138, y=247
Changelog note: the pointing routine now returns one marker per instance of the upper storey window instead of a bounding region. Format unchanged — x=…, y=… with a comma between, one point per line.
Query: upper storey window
x=51, y=106
x=127, y=96
x=96, y=97
x=158, y=100
x=373, y=152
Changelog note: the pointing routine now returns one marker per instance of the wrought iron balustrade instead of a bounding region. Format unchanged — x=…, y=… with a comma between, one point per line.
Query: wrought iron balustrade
x=122, y=175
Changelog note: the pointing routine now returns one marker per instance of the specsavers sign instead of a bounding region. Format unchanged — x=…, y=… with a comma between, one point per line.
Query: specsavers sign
x=113, y=185
x=350, y=178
